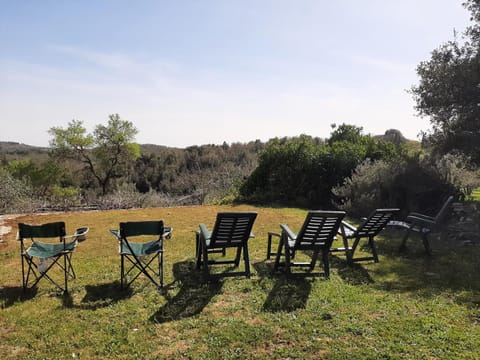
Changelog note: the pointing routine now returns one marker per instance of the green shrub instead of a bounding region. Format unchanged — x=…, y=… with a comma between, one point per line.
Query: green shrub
x=65, y=197
x=16, y=196
x=301, y=171
x=419, y=184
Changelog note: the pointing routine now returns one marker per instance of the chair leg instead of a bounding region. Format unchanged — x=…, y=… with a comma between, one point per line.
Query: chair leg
x=31, y=270
x=404, y=240
x=197, y=244
x=347, y=249
x=269, y=245
x=314, y=260
x=350, y=259
x=23, y=274
x=279, y=252
x=326, y=263
x=122, y=271
x=160, y=267
x=371, y=242
x=238, y=256
x=287, y=260
x=206, y=270
x=199, y=252
x=65, y=271
x=246, y=258
x=426, y=244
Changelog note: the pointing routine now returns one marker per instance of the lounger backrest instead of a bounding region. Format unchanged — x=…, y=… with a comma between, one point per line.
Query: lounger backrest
x=319, y=228
x=232, y=228
x=443, y=211
x=376, y=222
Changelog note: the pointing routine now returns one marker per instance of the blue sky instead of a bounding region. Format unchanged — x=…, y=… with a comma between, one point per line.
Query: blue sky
x=204, y=72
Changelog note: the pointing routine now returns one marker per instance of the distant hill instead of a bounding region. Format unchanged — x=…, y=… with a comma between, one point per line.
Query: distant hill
x=10, y=150
x=11, y=147
x=393, y=136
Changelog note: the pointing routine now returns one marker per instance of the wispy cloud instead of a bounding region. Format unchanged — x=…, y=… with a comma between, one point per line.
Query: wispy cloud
x=115, y=61
x=169, y=107
x=384, y=65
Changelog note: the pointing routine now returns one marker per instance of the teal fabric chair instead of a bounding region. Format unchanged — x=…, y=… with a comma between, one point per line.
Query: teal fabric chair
x=140, y=244
x=43, y=254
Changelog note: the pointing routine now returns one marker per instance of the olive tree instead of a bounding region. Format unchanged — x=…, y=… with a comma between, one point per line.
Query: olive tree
x=106, y=153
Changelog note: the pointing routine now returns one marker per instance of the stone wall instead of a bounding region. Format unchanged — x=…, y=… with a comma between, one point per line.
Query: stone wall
x=464, y=223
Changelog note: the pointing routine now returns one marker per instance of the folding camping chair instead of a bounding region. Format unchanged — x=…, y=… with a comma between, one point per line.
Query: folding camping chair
x=231, y=230
x=141, y=253
x=316, y=234
x=369, y=228
x=42, y=256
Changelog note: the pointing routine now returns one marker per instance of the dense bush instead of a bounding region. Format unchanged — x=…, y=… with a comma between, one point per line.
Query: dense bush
x=15, y=195
x=301, y=171
x=419, y=184
x=204, y=173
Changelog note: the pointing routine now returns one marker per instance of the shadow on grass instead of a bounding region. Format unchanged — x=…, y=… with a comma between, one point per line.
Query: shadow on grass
x=288, y=293
x=99, y=296
x=196, y=291
x=451, y=268
x=354, y=274
x=10, y=295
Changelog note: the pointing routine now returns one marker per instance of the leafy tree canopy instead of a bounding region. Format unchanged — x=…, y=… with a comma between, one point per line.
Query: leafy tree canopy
x=449, y=92
x=106, y=153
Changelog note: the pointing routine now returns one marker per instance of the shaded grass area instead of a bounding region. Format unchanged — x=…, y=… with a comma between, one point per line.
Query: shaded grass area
x=406, y=306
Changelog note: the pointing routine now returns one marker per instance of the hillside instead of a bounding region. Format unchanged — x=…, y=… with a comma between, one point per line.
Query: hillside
x=12, y=150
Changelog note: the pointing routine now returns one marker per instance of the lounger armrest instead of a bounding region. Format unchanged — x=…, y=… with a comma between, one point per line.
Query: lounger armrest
x=289, y=232
x=422, y=216
x=204, y=232
x=422, y=222
x=345, y=229
x=348, y=226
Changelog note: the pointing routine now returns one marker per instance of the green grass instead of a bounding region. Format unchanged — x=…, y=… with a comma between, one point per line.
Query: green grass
x=406, y=306
x=475, y=194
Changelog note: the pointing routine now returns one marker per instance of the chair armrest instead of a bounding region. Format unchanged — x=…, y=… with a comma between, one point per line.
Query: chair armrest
x=289, y=232
x=167, y=232
x=422, y=216
x=346, y=230
x=422, y=222
x=80, y=234
x=115, y=233
x=204, y=232
x=348, y=226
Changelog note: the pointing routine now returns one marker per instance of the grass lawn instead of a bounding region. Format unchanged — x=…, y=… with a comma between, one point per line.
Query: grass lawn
x=406, y=306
